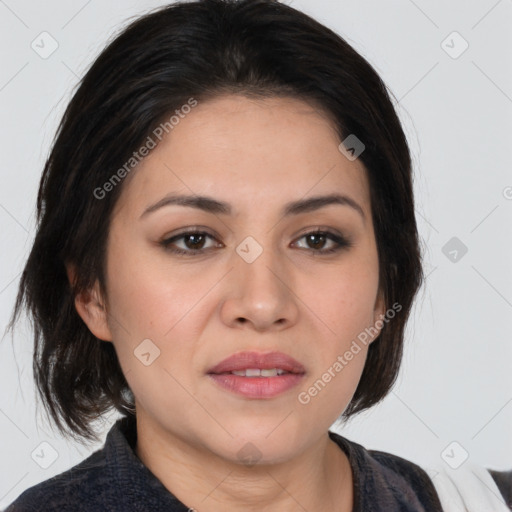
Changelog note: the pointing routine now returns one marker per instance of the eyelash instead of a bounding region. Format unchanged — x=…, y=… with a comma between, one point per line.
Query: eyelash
x=342, y=242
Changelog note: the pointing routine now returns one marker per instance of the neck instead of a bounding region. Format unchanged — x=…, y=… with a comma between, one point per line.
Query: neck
x=318, y=478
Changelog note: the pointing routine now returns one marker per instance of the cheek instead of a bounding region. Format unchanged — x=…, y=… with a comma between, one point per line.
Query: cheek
x=342, y=300
x=148, y=298
x=151, y=301
x=327, y=393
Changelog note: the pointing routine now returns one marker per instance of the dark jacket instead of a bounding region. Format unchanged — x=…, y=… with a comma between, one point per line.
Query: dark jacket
x=115, y=479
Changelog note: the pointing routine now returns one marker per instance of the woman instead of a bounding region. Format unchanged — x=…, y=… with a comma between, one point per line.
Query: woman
x=227, y=254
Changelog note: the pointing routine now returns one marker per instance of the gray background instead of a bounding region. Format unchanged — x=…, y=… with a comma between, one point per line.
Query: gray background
x=455, y=384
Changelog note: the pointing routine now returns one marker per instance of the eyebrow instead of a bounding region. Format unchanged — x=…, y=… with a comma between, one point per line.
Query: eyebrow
x=211, y=205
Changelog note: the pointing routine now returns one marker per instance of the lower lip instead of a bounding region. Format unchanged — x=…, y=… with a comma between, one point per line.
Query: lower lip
x=257, y=387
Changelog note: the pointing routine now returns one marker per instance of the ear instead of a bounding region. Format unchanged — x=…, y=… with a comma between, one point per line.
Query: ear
x=380, y=306
x=91, y=308
x=379, y=311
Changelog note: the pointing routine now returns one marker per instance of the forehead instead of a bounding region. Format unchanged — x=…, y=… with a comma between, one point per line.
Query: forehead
x=248, y=152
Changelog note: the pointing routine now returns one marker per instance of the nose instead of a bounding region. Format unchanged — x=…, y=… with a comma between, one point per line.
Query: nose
x=260, y=295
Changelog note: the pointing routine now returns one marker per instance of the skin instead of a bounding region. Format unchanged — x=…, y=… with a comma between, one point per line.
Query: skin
x=256, y=155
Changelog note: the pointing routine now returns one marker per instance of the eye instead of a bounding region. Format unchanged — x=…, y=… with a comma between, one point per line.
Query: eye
x=194, y=242
x=317, y=240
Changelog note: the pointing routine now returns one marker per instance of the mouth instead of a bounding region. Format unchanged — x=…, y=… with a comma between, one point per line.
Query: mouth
x=257, y=372
x=256, y=376
x=256, y=364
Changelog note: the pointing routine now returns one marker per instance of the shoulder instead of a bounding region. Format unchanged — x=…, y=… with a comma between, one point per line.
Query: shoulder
x=396, y=468
x=404, y=476
x=384, y=481
x=79, y=488
x=113, y=479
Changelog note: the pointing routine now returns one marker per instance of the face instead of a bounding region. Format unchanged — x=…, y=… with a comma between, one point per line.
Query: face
x=254, y=277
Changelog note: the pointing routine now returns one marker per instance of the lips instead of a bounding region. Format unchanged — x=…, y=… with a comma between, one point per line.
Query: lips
x=257, y=376
x=256, y=360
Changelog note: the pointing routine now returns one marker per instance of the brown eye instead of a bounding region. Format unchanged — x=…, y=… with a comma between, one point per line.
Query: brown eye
x=316, y=241
x=192, y=242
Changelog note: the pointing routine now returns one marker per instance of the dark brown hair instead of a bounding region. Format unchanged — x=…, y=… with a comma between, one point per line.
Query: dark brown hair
x=199, y=49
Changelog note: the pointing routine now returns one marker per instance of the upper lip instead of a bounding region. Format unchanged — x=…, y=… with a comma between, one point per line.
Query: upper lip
x=269, y=360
